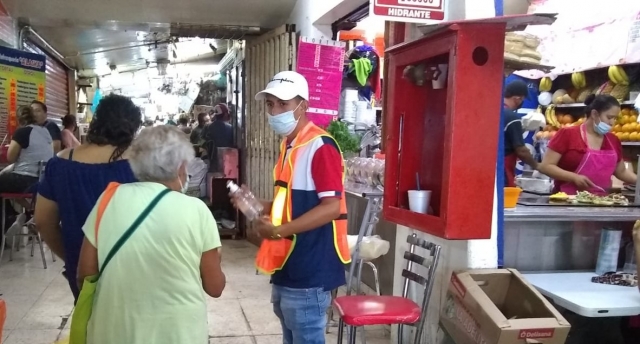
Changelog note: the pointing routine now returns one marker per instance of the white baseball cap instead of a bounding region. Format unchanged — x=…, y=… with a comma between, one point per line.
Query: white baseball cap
x=286, y=86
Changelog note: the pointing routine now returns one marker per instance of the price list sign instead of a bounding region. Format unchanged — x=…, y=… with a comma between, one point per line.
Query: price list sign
x=22, y=80
x=321, y=62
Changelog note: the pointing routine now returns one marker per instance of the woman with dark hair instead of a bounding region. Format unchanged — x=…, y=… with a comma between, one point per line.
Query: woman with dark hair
x=74, y=180
x=584, y=157
x=70, y=125
x=31, y=145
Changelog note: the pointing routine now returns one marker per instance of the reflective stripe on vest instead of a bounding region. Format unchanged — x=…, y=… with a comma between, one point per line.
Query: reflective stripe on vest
x=273, y=254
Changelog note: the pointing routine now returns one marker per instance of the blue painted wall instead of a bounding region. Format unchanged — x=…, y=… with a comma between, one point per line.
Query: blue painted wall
x=499, y=6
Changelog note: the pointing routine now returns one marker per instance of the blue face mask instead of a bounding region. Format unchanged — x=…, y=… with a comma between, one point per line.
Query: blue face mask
x=284, y=123
x=602, y=128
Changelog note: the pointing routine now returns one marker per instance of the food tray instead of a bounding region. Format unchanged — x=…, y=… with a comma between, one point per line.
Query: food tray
x=544, y=202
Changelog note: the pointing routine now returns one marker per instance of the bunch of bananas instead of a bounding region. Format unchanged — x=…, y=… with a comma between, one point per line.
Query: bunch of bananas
x=545, y=84
x=618, y=76
x=550, y=116
x=578, y=80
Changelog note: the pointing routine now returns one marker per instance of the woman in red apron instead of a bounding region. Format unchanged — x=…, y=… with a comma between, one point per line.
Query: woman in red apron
x=585, y=157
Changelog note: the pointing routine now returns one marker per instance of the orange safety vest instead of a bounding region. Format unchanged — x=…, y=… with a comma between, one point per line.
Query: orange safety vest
x=273, y=254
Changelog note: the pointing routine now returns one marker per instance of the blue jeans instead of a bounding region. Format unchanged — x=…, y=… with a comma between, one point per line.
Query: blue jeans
x=302, y=313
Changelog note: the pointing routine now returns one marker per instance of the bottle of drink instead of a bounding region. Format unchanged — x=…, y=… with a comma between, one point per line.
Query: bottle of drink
x=630, y=259
x=246, y=201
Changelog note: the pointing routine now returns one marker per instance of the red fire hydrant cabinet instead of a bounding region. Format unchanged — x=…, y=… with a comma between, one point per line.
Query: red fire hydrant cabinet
x=445, y=138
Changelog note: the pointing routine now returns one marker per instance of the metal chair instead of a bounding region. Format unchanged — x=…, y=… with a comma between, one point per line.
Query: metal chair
x=334, y=294
x=31, y=232
x=358, y=310
x=354, y=280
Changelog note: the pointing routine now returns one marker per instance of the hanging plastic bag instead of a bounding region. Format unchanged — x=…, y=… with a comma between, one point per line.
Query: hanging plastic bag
x=533, y=121
x=371, y=247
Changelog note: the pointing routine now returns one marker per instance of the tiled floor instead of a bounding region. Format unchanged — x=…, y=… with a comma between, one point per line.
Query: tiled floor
x=39, y=302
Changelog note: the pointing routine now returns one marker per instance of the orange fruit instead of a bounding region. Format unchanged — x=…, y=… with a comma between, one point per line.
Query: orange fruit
x=624, y=137
x=617, y=128
x=633, y=118
x=625, y=119
x=634, y=112
x=631, y=127
x=625, y=112
x=568, y=119
x=634, y=136
x=625, y=128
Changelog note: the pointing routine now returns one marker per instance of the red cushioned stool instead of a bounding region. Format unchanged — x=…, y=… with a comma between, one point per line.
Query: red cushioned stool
x=361, y=310
x=31, y=232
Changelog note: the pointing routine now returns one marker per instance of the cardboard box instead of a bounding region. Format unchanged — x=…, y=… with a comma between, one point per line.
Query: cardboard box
x=499, y=307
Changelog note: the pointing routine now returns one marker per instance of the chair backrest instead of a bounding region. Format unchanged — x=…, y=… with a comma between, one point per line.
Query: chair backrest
x=426, y=280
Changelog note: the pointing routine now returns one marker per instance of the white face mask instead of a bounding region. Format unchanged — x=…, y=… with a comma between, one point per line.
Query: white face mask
x=184, y=186
x=284, y=123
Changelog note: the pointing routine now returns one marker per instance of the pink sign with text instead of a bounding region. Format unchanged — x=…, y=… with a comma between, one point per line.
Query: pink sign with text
x=321, y=62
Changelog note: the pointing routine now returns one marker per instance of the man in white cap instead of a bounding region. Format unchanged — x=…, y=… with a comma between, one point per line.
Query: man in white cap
x=305, y=238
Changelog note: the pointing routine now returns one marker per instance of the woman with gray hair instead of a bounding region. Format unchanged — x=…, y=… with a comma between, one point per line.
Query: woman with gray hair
x=167, y=250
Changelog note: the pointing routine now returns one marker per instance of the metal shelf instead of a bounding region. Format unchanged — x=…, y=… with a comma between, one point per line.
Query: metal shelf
x=511, y=65
x=579, y=105
x=631, y=144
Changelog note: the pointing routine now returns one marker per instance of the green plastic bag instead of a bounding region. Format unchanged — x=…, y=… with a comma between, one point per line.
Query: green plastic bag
x=82, y=311
x=84, y=306
x=63, y=341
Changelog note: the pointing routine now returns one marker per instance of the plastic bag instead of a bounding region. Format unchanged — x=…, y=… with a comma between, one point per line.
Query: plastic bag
x=371, y=247
x=197, y=170
x=533, y=121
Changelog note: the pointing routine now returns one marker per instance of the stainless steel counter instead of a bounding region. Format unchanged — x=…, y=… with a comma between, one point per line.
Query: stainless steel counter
x=540, y=238
x=527, y=213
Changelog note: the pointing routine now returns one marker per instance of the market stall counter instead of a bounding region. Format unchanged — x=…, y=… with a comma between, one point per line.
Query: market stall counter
x=564, y=214
x=557, y=247
x=574, y=291
x=560, y=237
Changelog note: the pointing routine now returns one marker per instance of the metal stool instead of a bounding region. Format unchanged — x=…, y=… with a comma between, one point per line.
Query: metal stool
x=359, y=311
x=31, y=232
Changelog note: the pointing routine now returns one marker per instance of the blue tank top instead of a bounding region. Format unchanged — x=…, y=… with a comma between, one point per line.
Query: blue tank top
x=76, y=187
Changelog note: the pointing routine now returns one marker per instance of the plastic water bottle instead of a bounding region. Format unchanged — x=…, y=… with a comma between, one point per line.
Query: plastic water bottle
x=630, y=259
x=246, y=201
